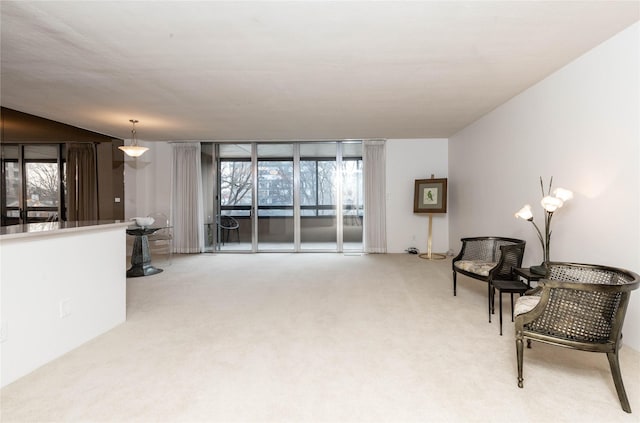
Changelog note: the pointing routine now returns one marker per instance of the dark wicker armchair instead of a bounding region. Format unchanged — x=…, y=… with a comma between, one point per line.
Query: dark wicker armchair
x=578, y=306
x=488, y=258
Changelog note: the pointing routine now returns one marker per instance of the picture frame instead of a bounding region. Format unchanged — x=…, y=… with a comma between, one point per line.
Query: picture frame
x=430, y=196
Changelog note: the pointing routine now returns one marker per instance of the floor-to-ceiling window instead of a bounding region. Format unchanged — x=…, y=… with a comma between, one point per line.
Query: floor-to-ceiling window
x=275, y=181
x=233, y=228
x=32, y=177
x=293, y=196
x=318, y=196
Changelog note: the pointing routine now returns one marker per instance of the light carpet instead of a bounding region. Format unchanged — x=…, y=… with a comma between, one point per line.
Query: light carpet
x=315, y=338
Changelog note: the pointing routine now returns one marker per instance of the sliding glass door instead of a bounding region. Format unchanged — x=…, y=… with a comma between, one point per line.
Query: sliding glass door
x=318, y=197
x=294, y=196
x=275, y=182
x=234, y=217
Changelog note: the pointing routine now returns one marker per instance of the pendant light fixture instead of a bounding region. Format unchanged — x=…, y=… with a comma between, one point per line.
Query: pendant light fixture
x=133, y=150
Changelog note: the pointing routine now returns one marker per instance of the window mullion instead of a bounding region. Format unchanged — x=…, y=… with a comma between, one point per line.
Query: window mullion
x=296, y=197
x=338, y=197
x=317, y=183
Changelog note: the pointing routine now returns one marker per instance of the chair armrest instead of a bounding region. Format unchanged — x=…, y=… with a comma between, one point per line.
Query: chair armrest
x=580, y=312
x=459, y=256
x=581, y=286
x=534, y=291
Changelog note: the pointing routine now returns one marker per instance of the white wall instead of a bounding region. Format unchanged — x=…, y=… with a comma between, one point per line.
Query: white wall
x=579, y=125
x=147, y=181
x=408, y=160
x=81, y=272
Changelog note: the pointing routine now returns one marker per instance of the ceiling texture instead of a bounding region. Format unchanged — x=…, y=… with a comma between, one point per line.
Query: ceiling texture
x=287, y=70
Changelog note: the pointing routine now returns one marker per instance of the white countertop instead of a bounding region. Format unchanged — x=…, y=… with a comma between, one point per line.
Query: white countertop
x=56, y=228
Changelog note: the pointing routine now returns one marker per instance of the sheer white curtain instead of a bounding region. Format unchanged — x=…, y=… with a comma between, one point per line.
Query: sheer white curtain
x=186, y=198
x=375, y=227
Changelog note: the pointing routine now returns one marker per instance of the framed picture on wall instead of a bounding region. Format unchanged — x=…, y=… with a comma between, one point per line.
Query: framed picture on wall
x=430, y=196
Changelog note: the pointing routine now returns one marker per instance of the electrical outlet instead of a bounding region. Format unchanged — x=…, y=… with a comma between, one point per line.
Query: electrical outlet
x=65, y=308
x=3, y=331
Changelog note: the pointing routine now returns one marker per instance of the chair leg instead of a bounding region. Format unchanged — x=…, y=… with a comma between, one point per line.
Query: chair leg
x=493, y=299
x=512, y=306
x=614, y=363
x=500, y=295
x=520, y=356
x=454, y=283
x=489, y=299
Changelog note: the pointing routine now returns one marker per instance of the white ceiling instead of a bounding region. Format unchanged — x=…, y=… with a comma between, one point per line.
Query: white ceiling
x=287, y=70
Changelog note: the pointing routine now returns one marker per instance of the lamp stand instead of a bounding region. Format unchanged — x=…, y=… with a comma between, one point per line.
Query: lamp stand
x=430, y=255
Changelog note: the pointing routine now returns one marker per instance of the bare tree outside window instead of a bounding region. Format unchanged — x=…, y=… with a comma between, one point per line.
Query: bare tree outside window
x=43, y=184
x=235, y=183
x=308, y=183
x=317, y=183
x=326, y=182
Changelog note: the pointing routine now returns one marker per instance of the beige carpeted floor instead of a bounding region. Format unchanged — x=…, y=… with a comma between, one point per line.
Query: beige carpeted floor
x=315, y=338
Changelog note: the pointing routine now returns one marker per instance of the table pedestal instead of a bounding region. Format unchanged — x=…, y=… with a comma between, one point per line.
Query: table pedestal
x=141, y=258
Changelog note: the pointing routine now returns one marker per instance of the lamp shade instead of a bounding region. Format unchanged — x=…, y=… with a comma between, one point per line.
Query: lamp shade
x=563, y=194
x=133, y=150
x=551, y=204
x=525, y=213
